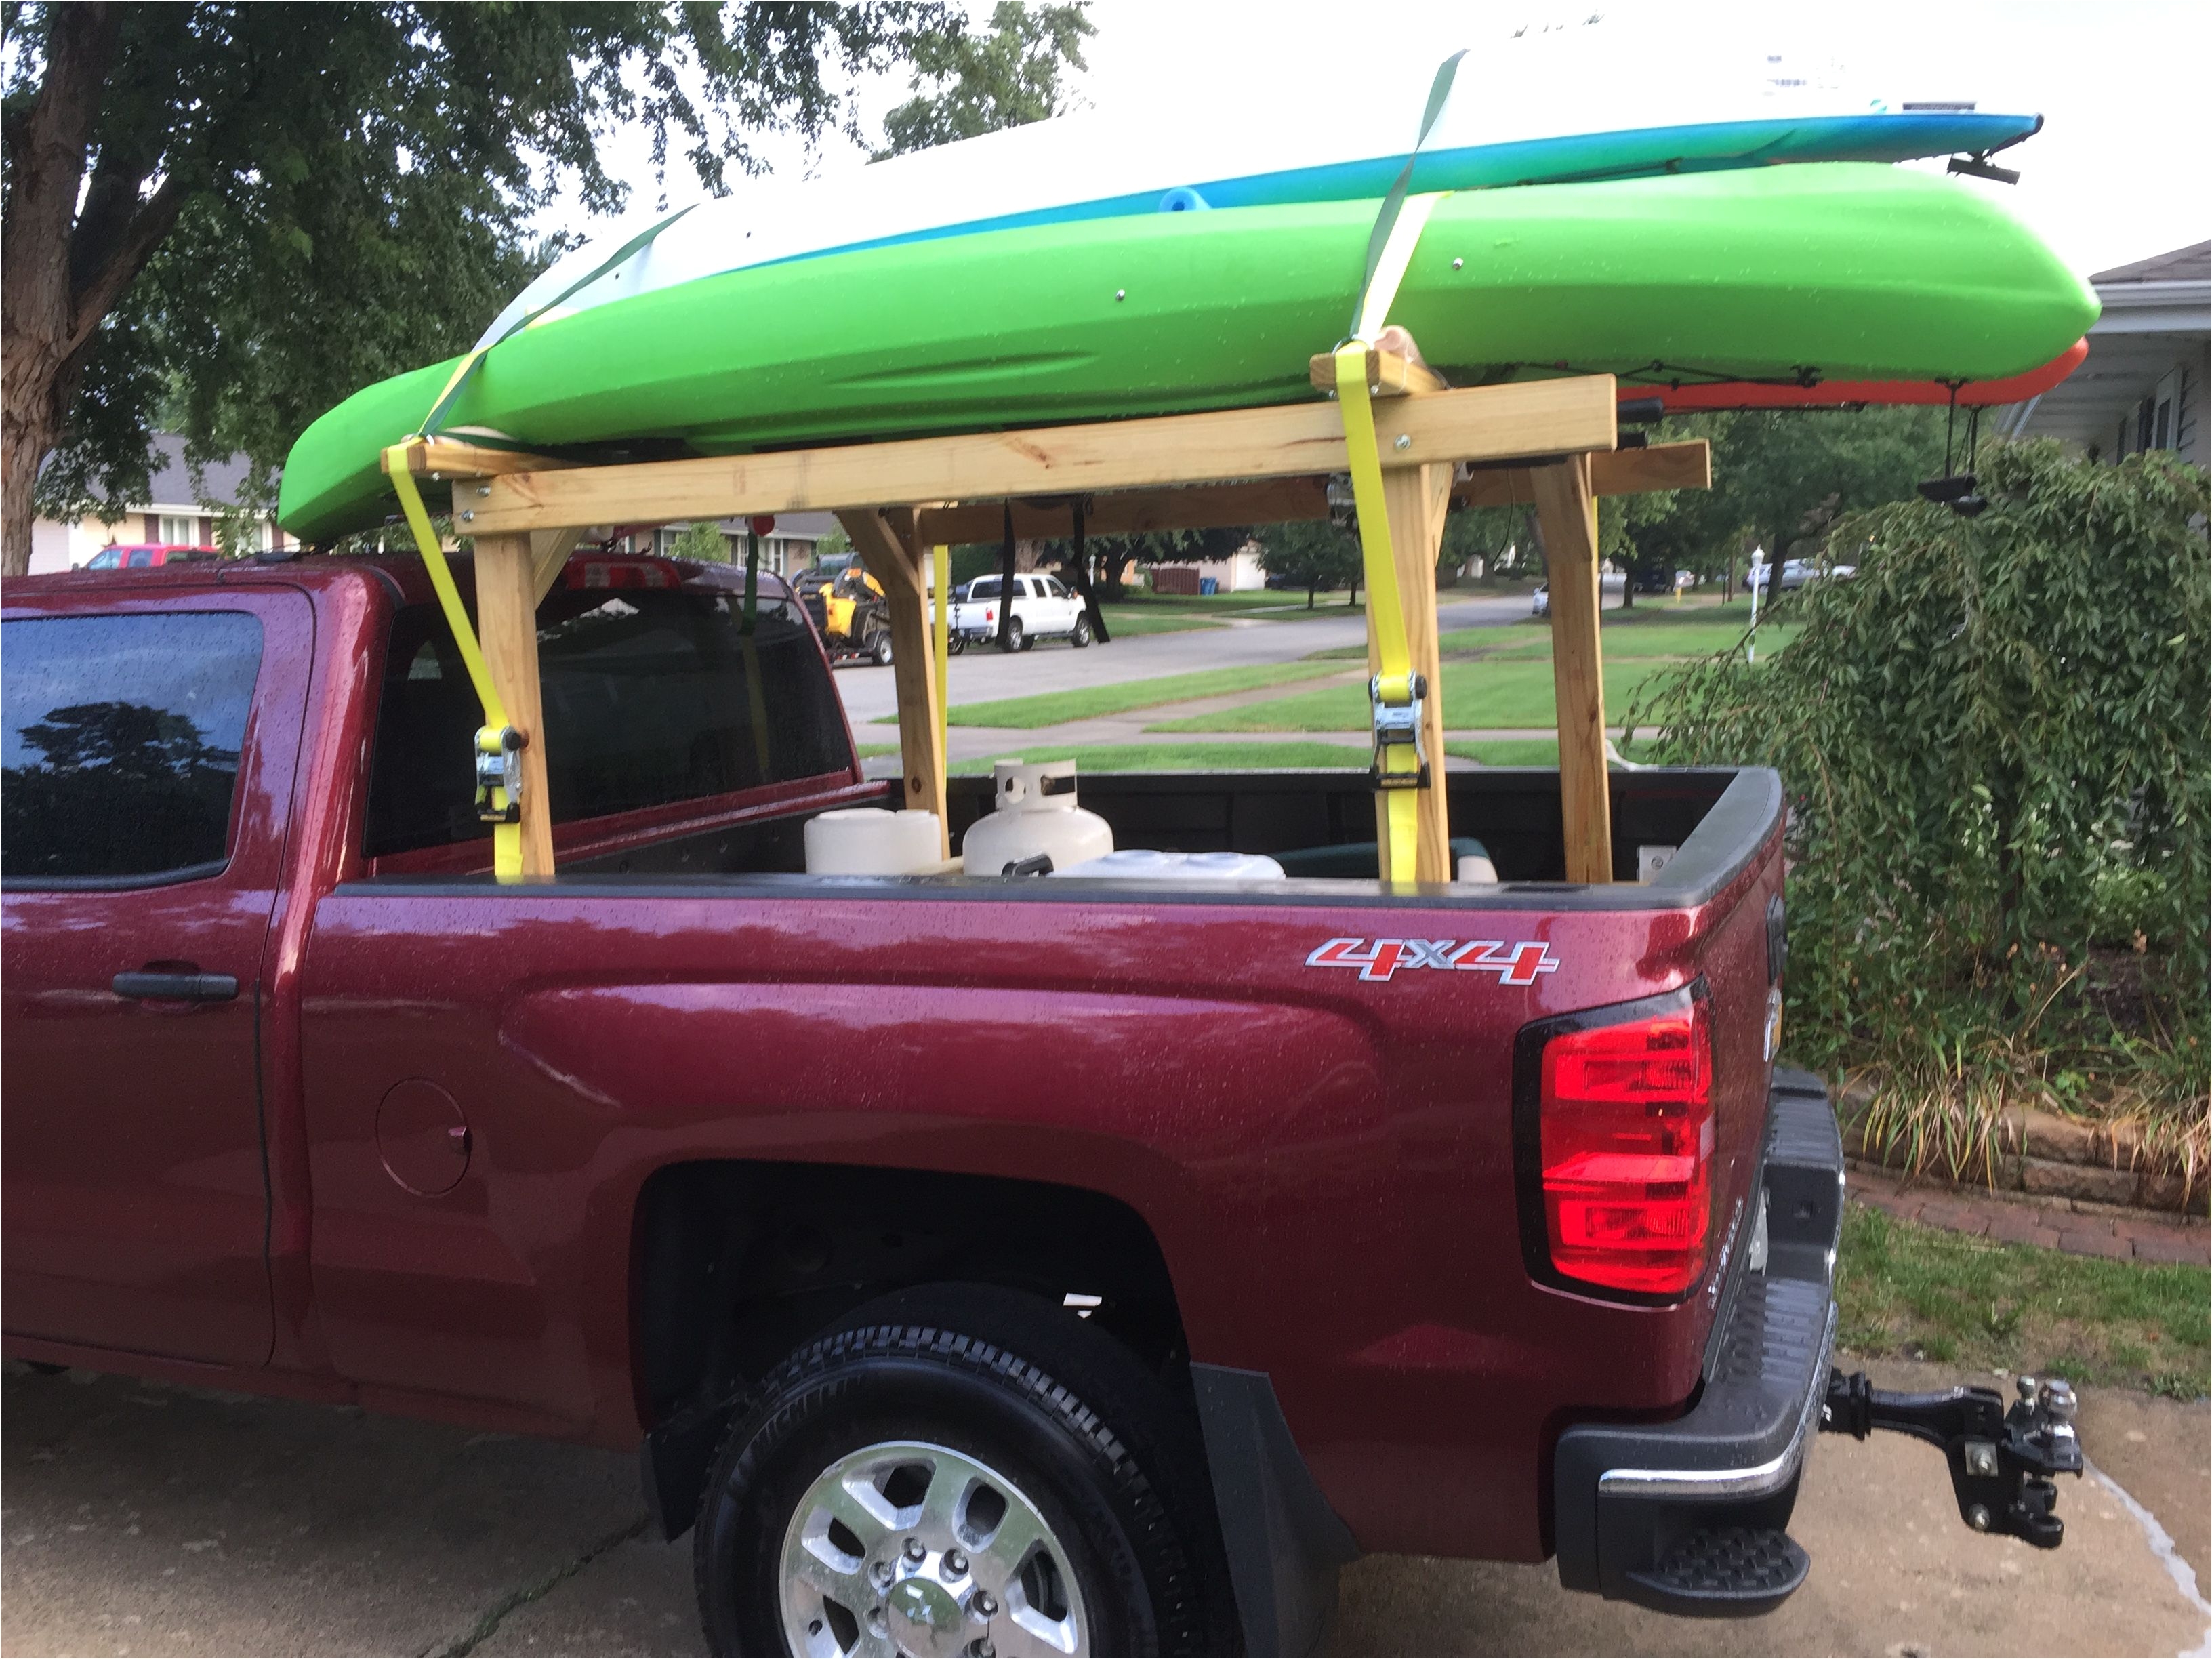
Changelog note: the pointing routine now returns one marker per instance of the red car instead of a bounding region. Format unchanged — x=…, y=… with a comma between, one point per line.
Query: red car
x=144, y=556
x=977, y=1263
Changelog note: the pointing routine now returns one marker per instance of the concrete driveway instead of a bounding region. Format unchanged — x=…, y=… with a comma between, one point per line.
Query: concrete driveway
x=142, y=1519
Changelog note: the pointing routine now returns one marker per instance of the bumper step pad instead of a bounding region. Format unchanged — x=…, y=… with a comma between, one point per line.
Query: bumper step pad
x=1724, y=1571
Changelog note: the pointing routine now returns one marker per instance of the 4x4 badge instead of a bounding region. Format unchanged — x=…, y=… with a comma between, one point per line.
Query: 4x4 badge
x=1518, y=964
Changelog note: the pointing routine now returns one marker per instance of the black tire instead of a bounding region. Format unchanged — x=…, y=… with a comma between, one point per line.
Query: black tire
x=1062, y=1411
x=880, y=650
x=1017, y=637
x=955, y=644
x=1079, y=635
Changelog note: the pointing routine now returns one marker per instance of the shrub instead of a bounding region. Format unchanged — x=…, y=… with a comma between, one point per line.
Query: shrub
x=1995, y=743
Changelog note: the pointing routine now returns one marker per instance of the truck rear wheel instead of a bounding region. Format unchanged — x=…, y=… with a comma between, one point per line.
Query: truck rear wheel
x=909, y=1485
x=879, y=649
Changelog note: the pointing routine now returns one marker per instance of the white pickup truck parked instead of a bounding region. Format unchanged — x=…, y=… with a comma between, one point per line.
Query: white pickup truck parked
x=1043, y=609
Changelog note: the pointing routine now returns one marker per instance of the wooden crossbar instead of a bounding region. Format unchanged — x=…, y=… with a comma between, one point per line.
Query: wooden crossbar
x=1540, y=418
x=1686, y=466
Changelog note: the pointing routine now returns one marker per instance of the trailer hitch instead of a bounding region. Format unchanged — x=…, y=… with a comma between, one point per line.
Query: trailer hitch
x=2002, y=1460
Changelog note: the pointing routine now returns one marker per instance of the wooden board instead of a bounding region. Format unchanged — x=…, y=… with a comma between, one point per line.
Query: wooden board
x=1130, y=512
x=455, y=458
x=506, y=627
x=1686, y=466
x=1536, y=419
x=1394, y=368
x=1567, y=511
x=549, y=553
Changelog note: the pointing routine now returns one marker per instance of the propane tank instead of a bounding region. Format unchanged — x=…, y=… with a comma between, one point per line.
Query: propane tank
x=1034, y=811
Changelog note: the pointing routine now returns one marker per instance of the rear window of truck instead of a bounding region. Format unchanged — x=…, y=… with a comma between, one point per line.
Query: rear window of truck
x=121, y=746
x=649, y=700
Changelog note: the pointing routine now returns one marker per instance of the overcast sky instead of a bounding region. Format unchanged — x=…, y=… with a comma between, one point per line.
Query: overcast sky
x=2116, y=175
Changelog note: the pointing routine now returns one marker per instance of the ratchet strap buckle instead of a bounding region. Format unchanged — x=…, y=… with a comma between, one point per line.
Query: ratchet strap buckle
x=1400, y=758
x=499, y=773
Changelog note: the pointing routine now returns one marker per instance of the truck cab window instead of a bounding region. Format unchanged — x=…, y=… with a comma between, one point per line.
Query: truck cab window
x=121, y=746
x=649, y=701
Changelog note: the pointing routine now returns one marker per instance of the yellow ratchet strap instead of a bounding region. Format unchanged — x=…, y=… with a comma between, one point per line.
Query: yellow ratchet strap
x=498, y=761
x=1396, y=694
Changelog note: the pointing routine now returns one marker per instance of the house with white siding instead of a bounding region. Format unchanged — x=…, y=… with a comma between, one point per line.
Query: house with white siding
x=2142, y=386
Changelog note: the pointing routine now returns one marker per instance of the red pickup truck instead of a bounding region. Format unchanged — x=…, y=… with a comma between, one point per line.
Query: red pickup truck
x=978, y=1264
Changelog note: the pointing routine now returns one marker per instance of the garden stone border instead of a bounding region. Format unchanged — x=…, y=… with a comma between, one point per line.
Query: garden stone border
x=2044, y=1155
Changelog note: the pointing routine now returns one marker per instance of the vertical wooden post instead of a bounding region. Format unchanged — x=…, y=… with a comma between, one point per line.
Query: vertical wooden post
x=1416, y=497
x=1567, y=511
x=887, y=547
x=506, y=626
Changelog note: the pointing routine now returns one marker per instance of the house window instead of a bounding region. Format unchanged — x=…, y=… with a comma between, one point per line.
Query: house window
x=181, y=531
x=2165, y=404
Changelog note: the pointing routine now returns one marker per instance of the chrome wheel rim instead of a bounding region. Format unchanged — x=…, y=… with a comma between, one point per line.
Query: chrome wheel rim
x=906, y=1547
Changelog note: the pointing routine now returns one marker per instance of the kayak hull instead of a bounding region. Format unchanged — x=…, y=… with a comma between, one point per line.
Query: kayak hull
x=1839, y=271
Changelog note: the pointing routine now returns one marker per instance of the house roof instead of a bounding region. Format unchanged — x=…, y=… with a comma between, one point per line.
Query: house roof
x=2181, y=264
x=2157, y=315
x=173, y=479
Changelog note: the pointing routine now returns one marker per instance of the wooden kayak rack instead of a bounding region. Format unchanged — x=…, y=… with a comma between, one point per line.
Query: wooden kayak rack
x=1552, y=444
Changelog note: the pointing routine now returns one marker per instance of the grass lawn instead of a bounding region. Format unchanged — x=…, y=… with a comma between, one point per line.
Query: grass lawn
x=1641, y=635
x=1477, y=695
x=1507, y=752
x=1185, y=757
x=1916, y=1292
x=1257, y=600
x=1056, y=708
x=1128, y=622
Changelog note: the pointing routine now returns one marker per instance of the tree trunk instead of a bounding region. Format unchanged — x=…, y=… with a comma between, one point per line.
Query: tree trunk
x=1006, y=555
x=74, y=246
x=1079, y=578
x=46, y=160
x=1312, y=589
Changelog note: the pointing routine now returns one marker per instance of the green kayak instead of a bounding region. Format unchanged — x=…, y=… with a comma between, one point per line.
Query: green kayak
x=1841, y=271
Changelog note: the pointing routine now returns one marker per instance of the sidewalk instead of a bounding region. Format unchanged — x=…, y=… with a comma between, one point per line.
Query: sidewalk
x=2073, y=1226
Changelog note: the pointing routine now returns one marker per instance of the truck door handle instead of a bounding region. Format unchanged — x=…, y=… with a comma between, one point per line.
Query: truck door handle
x=176, y=988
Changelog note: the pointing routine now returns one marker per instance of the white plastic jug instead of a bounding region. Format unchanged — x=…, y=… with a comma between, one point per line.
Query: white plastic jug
x=1141, y=863
x=1034, y=811
x=868, y=841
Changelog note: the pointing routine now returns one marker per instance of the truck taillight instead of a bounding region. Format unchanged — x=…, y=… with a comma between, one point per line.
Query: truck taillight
x=1626, y=1126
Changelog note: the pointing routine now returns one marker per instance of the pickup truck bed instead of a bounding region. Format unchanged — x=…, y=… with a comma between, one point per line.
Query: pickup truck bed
x=600, y=1157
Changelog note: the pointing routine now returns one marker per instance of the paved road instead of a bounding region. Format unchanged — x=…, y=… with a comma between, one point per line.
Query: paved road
x=1052, y=665
x=142, y=1519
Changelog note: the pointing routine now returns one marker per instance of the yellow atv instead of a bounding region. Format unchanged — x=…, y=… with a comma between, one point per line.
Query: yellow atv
x=849, y=613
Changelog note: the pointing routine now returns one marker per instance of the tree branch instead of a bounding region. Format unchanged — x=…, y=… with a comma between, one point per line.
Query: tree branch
x=92, y=298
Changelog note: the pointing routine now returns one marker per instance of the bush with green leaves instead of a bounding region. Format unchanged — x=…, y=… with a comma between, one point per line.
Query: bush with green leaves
x=1995, y=743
